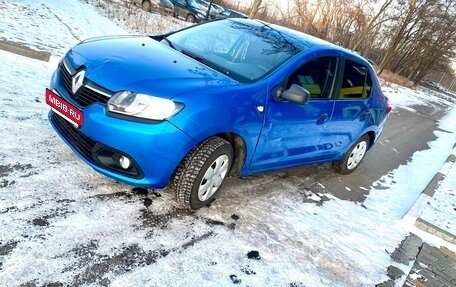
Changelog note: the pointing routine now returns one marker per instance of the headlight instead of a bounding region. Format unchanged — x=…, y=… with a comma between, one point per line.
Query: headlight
x=143, y=106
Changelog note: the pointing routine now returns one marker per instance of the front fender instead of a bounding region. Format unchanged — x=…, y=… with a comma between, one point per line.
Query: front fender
x=219, y=112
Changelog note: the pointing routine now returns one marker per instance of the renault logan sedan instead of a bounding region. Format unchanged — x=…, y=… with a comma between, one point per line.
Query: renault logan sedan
x=230, y=97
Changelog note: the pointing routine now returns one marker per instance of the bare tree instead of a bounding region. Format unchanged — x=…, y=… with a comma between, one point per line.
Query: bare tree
x=376, y=20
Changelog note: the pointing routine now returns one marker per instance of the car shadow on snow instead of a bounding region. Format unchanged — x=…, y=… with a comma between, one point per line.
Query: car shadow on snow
x=314, y=183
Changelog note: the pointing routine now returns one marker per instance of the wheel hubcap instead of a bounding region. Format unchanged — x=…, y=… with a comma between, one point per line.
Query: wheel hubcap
x=357, y=155
x=146, y=6
x=213, y=178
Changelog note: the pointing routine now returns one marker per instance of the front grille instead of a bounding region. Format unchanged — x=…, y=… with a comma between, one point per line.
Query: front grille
x=76, y=139
x=93, y=152
x=85, y=96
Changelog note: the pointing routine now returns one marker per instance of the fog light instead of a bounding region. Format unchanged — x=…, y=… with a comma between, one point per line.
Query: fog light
x=124, y=162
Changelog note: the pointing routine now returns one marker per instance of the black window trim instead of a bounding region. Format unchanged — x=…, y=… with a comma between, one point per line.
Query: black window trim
x=336, y=80
x=340, y=74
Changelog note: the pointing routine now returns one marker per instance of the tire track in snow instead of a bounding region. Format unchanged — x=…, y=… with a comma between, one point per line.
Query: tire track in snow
x=63, y=22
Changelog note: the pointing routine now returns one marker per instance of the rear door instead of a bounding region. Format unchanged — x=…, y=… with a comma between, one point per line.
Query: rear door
x=352, y=113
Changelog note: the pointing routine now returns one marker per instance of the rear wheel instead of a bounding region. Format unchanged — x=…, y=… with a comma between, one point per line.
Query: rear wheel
x=146, y=5
x=202, y=172
x=190, y=18
x=353, y=157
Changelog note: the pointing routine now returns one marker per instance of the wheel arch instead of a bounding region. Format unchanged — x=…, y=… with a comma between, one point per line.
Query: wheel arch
x=371, y=135
x=239, y=149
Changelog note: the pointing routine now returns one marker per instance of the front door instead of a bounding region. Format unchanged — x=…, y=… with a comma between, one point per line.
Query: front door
x=292, y=133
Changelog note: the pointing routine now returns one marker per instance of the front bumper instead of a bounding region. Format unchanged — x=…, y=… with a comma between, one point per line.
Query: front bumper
x=155, y=150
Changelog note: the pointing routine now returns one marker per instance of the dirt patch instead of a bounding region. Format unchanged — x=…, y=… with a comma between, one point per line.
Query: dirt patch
x=154, y=220
x=5, y=183
x=129, y=257
x=8, y=169
x=254, y=255
x=7, y=248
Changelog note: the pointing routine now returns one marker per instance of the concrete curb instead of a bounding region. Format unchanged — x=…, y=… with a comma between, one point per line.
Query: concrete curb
x=431, y=228
x=430, y=191
x=22, y=50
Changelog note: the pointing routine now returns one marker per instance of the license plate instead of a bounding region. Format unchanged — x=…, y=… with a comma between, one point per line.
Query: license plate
x=65, y=109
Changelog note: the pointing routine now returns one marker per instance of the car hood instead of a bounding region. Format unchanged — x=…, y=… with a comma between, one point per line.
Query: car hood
x=143, y=65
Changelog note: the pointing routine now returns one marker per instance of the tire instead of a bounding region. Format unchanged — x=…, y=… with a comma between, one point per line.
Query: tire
x=146, y=6
x=190, y=18
x=200, y=175
x=353, y=157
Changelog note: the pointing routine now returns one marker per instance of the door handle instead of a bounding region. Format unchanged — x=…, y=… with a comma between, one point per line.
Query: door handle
x=323, y=118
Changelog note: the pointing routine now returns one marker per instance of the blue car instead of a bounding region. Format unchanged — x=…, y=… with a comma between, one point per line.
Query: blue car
x=229, y=97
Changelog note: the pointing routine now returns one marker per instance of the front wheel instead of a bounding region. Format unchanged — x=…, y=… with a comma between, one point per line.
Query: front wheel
x=202, y=172
x=146, y=5
x=353, y=157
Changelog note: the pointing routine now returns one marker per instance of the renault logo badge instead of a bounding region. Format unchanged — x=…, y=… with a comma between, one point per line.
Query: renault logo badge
x=77, y=81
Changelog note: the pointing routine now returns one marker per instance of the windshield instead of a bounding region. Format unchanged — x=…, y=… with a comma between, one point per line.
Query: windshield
x=246, y=52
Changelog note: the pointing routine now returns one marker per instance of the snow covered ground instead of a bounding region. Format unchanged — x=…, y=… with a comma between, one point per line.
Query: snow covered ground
x=60, y=222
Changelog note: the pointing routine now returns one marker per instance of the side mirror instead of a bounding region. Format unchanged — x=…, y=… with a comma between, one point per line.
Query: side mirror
x=295, y=94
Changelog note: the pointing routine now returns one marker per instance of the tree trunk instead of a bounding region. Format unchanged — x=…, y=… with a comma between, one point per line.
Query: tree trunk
x=254, y=9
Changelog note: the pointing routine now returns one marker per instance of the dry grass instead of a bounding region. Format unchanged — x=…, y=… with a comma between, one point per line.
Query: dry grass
x=135, y=20
x=390, y=77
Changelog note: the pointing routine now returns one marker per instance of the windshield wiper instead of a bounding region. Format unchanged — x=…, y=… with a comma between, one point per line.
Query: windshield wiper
x=169, y=42
x=206, y=62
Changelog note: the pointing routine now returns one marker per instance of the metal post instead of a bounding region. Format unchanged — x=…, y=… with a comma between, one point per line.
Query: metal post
x=452, y=85
x=209, y=9
x=443, y=75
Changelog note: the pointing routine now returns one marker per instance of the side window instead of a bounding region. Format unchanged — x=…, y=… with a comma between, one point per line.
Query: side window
x=316, y=76
x=356, y=81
